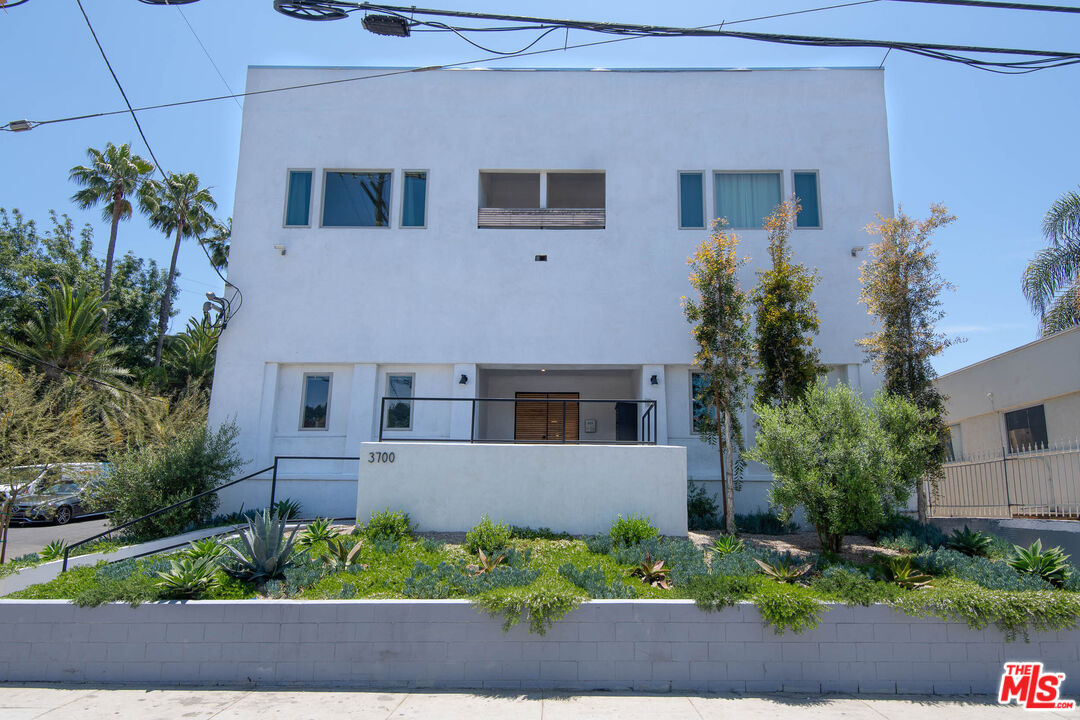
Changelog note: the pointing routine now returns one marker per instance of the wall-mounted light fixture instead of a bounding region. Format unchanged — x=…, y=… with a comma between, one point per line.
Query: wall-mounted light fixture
x=654, y=380
x=464, y=379
x=857, y=249
x=280, y=249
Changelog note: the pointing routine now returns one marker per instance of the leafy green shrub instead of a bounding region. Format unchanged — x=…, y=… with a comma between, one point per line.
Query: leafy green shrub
x=543, y=605
x=985, y=573
x=53, y=551
x=527, y=533
x=287, y=508
x=389, y=525
x=853, y=587
x=265, y=551
x=905, y=533
x=1052, y=564
x=152, y=477
x=594, y=582
x=431, y=545
x=320, y=530
x=299, y=576
x=189, y=577
x=702, y=511
x=487, y=536
x=787, y=606
x=830, y=454
x=599, y=544
x=716, y=592
x=632, y=530
x=761, y=522
x=969, y=542
x=452, y=580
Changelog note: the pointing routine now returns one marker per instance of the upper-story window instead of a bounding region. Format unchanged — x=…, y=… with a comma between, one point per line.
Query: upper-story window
x=298, y=199
x=414, y=199
x=746, y=198
x=315, y=403
x=356, y=198
x=550, y=199
x=805, y=183
x=399, y=409
x=1026, y=429
x=692, y=200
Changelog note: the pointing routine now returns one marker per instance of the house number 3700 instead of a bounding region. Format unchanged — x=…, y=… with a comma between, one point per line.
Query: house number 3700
x=380, y=457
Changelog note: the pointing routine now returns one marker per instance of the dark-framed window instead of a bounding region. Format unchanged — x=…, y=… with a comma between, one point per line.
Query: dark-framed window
x=356, y=198
x=700, y=408
x=315, y=403
x=1026, y=429
x=399, y=411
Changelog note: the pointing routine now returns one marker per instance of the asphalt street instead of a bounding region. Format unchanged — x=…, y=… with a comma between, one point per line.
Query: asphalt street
x=23, y=539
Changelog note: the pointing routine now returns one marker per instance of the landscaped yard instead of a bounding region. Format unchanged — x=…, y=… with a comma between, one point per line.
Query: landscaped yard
x=538, y=576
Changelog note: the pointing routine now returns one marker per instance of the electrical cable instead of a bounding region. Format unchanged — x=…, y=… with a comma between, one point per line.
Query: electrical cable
x=207, y=53
x=1000, y=5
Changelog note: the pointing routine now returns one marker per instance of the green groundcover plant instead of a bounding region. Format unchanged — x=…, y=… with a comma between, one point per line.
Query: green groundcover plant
x=536, y=581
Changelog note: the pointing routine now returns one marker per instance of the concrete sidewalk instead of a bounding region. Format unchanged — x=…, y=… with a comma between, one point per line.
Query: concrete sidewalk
x=24, y=702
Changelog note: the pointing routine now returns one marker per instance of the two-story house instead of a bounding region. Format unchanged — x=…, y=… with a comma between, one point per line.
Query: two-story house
x=469, y=257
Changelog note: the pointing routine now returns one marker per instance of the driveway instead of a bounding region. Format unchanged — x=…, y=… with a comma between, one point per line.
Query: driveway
x=23, y=539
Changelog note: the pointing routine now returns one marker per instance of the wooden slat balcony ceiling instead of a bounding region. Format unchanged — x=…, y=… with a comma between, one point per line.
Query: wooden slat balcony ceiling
x=543, y=421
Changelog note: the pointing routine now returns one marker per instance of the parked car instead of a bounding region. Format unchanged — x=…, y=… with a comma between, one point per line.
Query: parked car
x=59, y=494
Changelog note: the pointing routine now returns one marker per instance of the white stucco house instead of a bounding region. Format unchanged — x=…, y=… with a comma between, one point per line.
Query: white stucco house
x=454, y=262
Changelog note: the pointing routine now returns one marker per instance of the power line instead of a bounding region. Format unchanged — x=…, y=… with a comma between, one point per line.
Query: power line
x=1000, y=5
x=207, y=53
x=121, y=87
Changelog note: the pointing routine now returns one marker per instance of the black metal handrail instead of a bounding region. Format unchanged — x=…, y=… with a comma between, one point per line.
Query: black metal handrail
x=648, y=421
x=273, y=493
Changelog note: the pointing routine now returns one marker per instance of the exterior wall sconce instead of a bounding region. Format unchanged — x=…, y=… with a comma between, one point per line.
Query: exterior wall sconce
x=857, y=249
x=280, y=249
x=464, y=380
x=654, y=380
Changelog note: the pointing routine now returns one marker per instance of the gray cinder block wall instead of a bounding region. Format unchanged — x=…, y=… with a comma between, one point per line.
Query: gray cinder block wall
x=639, y=645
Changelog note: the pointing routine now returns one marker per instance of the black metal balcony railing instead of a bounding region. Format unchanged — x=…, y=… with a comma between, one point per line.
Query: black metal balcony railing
x=644, y=421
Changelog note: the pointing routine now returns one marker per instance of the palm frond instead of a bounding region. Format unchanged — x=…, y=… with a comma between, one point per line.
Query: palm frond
x=1063, y=218
x=1052, y=270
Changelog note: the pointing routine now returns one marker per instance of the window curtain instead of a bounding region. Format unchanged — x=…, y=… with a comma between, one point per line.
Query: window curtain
x=745, y=199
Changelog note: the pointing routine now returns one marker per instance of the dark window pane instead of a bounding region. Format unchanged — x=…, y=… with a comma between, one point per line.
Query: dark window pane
x=357, y=199
x=702, y=409
x=414, y=200
x=298, y=208
x=509, y=190
x=316, y=401
x=399, y=413
x=806, y=190
x=575, y=190
x=691, y=200
x=1026, y=429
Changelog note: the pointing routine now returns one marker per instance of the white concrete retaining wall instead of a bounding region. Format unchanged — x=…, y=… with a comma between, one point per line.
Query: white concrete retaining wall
x=578, y=489
x=657, y=645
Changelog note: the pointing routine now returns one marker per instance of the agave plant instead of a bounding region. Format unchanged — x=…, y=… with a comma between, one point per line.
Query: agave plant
x=727, y=544
x=53, y=551
x=338, y=555
x=319, y=531
x=898, y=571
x=652, y=572
x=266, y=550
x=288, y=508
x=189, y=577
x=1052, y=564
x=208, y=548
x=970, y=542
x=487, y=564
x=784, y=570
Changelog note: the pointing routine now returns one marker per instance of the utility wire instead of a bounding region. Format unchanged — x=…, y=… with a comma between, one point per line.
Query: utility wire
x=207, y=53
x=1000, y=5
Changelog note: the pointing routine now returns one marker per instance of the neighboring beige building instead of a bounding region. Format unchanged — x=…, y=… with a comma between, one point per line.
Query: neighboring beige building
x=1025, y=398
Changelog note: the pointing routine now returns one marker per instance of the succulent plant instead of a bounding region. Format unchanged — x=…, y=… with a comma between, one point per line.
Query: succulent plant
x=652, y=572
x=189, y=577
x=319, y=530
x=1052, y=564
x=898, y=571
x=338, y=555
x=487, y=563
x=970, y=542
x=784, y=570
x=288, y=508
x=53, y=551
x=209, y=548
x=266, y=550
x=727, y=544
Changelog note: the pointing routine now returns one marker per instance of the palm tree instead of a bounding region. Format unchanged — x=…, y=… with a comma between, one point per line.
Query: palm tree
x=1052, y=280
x=191, y=353
x=218, y=245
x=68, y=335
x=112, y=177
x=176, y=205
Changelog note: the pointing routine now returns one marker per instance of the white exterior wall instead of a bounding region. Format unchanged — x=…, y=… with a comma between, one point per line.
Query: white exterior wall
x=451, y=296
x=1045, y=372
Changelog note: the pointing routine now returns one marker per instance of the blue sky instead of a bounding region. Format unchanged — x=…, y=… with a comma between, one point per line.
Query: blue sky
x=997, y=150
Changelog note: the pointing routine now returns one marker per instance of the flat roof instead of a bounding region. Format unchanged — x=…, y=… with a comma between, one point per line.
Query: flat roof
x=1048, y=338
x=559, y=69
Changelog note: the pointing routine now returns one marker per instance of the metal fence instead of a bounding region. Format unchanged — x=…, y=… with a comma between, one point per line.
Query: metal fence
x=1039, y=483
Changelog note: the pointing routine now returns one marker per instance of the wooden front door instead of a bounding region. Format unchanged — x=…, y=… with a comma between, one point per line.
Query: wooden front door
x=543, y=421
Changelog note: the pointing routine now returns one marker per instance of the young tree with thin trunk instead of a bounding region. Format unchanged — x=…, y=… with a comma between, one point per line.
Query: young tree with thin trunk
x=176, y=206
x=112, y=177
x=721, y=329
x=902, y=288
x=786, y=317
